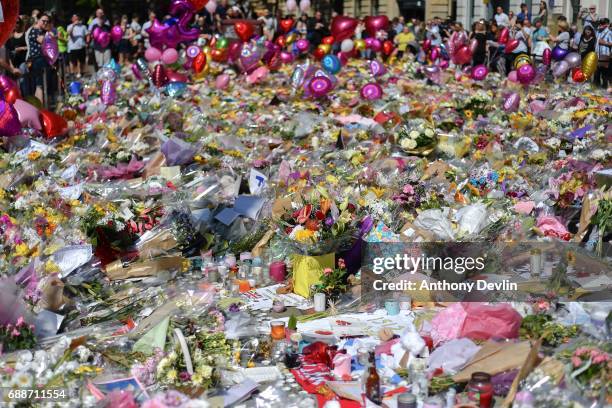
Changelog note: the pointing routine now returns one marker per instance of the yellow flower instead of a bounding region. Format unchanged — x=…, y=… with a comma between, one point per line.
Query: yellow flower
x=2, y=194
x=51, y=267
x=171, y=375
x=304, y=235
x=34, y=155
x=22, y=249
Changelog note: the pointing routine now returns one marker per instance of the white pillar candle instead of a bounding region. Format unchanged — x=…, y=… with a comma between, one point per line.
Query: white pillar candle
x=319, y=302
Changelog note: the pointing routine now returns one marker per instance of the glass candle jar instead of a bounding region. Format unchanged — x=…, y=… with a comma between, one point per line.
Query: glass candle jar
x=277, y=329
x=480, y=389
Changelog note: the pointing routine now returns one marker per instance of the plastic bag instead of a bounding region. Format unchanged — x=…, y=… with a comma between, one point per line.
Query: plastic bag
x=476, y=321
x=307, y=271
x=452, y=356
x=177, y=152
x=436, y=221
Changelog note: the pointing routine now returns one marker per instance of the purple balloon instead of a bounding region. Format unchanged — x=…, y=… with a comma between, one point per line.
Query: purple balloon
x=525, y=73
x=50, y=49
x=249, y=56
x=377, y=68
x=375, y=44
x=560, y=69
x=116, y=34
x=320, y=86
x=512, y=102
x=573, y=59
x=9, y=120
x=193, y=51
x=371, y=91
x=479, y=72
x=302, y=45
x=157, y=33
x=559, y=53
x=136, y=72
x=103, y=39
x=108, y=93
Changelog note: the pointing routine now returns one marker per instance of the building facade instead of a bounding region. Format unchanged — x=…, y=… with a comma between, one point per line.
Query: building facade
x=468, y=11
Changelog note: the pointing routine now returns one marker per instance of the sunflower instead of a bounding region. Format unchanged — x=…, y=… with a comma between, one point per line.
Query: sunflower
x=468, y=114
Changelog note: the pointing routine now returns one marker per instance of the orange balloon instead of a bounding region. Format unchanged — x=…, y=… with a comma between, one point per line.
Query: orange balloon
x=328, y=40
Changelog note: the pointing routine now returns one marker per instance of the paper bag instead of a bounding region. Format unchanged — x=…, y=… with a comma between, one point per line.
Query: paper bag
x=307, y=271
x=116, y=271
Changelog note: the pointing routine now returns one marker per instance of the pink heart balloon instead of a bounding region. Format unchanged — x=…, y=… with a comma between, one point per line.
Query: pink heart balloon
x=28, y=114
x=257, y=75
x=103, y=39
x=374, y=24
x=116, y=34
x=511, y=45
x=343, y=27
x=512, y=77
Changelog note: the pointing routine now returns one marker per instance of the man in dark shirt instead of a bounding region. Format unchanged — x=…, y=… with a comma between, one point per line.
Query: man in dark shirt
x=38, y=64
x=317, y=29
x=524, y=14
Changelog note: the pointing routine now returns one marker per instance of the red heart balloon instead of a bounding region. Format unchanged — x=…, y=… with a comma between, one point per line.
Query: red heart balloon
x=12, y=95
x=328, y=40
x=388, y=47
x=511, y=45
x=10, y=11
x=376, y=23
x=286, y=24
x=244, y=30
x=281, y=41
x=198, y=4
x=343, y=27
x=578, y=75
x=53, y=124
x=199, y=63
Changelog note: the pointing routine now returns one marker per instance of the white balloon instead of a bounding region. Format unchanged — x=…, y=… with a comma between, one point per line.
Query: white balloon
x=347, y=45
x=211, y=6
x=304, y=5
x=291, y=6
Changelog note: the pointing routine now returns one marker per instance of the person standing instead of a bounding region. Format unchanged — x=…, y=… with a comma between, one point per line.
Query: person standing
x=124, y=49
x=102, y=52
x=539, y=39
x=145, y=27
x=402, y=41
x=562, y=40
x=587, y=41
x=77, y=35
x=480, y=35
x=602, y=48
x=517, y=33
x=543, y=13
x=17, y=48
x=35, y=58
x=589, y=16
x=501, y=18
x=524, y=14
x=317, y=29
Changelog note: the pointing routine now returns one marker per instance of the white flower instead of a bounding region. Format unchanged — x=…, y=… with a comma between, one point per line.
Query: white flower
x=598, y=154
x=413, y=134
x=22, y=379
x=429, y=133
x=172, y=356
x=408, y=144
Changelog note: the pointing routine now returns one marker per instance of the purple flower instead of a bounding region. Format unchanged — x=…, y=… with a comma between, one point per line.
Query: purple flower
x=184, y=376
x=234, y=308
x=329, y=221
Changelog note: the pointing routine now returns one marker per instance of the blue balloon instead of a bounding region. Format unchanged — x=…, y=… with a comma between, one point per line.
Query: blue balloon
x=171, y=21
x=75, y=88
x=176, y=89
x=331, y=64
x=112, y=64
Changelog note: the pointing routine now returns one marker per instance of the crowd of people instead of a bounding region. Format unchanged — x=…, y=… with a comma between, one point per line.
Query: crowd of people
x=22, y=57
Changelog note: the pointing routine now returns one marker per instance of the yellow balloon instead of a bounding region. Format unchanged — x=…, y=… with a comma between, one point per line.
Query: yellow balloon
x=520, y=60
x=325, y=47
x=290, y=39
x=206, y=50
x=360, y=45
x=589, y=64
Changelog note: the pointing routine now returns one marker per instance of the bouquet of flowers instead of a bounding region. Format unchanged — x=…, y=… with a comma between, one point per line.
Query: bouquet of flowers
x=319, y=224
x=208, y=352
x=16, y=337
x=590, y=370
x=417, y=137
x=333, y=281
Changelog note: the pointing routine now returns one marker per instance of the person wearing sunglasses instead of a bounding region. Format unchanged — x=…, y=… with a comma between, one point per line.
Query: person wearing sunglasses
x=35, y=58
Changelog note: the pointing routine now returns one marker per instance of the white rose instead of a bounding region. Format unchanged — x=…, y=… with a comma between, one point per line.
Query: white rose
x=429, y=133
x=408, y=144
x=413, y=134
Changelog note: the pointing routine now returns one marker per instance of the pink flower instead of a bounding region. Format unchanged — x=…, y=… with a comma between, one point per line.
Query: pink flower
x=341, y=263
x=580, y=351
x=185, y=376
x=20, y=321
x=327, y=271
x=15, y=333
x=408, y=189
x=576, y=361
x=600, y=358
x=154, y=403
